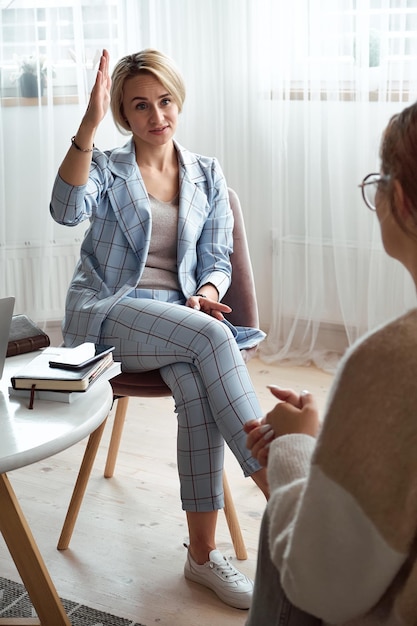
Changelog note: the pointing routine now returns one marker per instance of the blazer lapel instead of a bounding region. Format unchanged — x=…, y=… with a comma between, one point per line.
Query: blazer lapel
x=129, y=199
x=193, y=207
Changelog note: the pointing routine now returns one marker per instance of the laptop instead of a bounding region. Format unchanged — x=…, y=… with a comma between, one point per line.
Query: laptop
x=6, y=314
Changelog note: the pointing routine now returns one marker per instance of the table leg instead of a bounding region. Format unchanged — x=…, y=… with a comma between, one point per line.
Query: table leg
x=28, y=560
x=80, y=487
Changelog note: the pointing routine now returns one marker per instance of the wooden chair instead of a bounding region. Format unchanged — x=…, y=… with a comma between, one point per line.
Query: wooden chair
x=241, y=296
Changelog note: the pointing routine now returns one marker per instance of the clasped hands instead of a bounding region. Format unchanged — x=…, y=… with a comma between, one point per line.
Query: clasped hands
x=294, y=413
x=209, y=306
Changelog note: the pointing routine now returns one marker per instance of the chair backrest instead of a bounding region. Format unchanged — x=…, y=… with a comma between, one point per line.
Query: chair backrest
x=241, y=295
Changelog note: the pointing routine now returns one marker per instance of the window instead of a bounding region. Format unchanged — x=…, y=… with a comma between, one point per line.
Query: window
x=58, y=43
x=348, y=49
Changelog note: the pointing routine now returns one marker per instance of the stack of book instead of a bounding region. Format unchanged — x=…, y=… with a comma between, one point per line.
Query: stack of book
x=60, y=374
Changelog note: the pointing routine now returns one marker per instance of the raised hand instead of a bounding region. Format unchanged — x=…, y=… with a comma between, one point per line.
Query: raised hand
x=75, y=167
x=100, y=94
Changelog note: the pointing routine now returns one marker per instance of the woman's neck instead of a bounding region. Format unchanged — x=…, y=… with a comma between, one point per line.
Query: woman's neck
x=157, y=158
x=160, y=171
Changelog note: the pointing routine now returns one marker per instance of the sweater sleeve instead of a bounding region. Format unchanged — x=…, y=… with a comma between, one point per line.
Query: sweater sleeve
x=342, y=512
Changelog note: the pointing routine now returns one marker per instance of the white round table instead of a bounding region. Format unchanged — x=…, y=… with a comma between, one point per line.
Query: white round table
x=28, y=436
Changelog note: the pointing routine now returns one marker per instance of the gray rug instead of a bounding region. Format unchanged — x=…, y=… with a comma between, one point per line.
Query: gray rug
x=15, y=602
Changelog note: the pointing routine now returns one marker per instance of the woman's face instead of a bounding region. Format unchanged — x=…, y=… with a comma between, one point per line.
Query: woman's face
x=150, y=110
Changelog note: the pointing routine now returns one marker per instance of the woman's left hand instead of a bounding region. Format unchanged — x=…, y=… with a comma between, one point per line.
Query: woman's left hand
x=260, y=435
x=211, y=307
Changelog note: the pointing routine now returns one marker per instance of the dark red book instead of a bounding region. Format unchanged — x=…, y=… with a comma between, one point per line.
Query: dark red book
x=25, y=336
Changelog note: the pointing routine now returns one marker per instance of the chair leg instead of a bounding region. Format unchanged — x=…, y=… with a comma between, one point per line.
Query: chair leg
x=229, y=507
x=116, y=435
x=233, y=522
x=80, y=487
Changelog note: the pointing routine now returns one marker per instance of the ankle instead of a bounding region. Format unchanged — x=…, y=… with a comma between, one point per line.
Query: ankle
x=260, y=479
x=200, y=554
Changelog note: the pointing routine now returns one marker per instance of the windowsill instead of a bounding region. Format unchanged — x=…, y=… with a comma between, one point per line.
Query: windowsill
x=346, y=95
x=346, y=91
x=34, y=102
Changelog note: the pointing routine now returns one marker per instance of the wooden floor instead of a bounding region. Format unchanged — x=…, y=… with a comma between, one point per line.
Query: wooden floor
x=126, y=556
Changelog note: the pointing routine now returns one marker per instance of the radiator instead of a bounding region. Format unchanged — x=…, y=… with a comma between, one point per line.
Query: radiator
x=331, y=281
x=38, y=277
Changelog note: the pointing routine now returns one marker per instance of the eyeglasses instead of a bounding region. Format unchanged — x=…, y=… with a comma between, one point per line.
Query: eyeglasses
x=370, y=185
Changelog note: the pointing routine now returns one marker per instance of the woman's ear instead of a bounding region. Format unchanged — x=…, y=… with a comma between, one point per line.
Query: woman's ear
x=402, y=204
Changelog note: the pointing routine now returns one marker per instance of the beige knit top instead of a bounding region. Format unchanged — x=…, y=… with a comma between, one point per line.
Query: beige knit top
x=161, y=270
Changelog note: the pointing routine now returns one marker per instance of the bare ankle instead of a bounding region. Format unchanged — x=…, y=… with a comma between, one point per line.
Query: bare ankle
x=202, y=534
x=260, y=479
x=200, y=554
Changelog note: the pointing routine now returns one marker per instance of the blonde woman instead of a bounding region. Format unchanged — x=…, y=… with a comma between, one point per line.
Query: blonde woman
x=153, y=269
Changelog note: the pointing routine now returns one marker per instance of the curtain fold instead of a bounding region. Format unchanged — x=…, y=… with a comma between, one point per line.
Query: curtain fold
x=291, y=97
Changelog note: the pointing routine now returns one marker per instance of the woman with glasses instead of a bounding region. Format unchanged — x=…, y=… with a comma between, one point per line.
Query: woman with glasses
x=339, y=535
x=370, y=185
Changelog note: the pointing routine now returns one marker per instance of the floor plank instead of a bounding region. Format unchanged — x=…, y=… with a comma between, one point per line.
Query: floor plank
x=126, y=555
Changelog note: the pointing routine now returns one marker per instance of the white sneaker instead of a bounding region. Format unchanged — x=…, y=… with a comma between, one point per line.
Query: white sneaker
x=218, y=574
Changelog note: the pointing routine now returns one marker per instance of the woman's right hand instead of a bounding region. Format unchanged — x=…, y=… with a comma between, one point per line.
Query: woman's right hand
x=75, y=167
x=100, y=94
x=294, y=413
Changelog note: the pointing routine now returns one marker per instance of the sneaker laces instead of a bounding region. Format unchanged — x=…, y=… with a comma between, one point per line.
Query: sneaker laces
x=226, y=570
x=223, y=566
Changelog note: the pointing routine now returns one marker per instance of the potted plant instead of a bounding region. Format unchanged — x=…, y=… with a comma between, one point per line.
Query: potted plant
x=32, y=75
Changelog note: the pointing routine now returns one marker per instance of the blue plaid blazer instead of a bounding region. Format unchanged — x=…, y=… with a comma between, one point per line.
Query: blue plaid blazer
x=115, y=246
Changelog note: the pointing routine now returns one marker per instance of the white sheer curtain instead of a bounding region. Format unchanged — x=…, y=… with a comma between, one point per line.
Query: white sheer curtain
x=37, y=256
x=337, y=72
x=292, y=99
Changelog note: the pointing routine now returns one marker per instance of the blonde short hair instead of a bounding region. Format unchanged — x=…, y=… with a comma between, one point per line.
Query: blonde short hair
x=149, y=61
